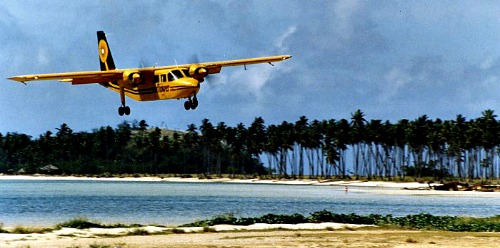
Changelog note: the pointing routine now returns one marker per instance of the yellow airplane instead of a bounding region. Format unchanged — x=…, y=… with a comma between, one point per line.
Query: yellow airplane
x=147, y=84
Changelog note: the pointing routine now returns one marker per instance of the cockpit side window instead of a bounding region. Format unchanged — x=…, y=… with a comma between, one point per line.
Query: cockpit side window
x=174, y=75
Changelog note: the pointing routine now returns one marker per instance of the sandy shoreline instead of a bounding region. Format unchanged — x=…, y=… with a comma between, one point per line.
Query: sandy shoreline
x=225, y=180
x=377, y=187
x=381, y=184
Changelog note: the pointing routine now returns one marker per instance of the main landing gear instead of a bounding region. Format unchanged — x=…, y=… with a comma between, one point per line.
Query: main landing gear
x=123, y=110
x=191, y=103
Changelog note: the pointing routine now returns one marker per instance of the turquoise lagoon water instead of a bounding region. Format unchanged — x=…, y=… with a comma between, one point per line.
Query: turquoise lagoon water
x=50, y=202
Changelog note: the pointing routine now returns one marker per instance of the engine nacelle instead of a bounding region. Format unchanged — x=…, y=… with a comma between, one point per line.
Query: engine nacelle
x=198, y=71
x=133, y=77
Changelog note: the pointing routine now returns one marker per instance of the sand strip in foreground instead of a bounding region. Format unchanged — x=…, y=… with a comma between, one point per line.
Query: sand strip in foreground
x=350, y=237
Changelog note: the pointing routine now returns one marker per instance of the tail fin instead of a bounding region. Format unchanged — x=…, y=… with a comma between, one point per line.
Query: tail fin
x=106, y=60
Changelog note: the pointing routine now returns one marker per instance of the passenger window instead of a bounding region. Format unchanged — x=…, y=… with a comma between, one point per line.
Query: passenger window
x=163, y=78
x=171, y=77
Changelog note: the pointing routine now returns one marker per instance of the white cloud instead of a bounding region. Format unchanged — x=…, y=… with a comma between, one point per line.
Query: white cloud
x=487, y=63
x=42, y=57
x=280, y=42
x=343, y=12
x=395, y=80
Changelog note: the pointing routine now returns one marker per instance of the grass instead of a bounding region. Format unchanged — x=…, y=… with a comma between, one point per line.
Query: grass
x=28, y=230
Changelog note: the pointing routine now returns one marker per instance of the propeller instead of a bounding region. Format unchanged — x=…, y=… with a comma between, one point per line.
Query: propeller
x=195, y=59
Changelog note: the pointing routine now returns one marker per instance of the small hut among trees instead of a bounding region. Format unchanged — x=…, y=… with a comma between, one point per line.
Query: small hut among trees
x=49, y=169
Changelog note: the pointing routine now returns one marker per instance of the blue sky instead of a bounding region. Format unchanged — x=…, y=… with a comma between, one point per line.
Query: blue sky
x=391, y=59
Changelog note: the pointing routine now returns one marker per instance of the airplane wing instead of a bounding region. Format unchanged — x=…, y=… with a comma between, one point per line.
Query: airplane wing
x=269, y=59
x=86, y=77
x=89, y=77
x=215, y=67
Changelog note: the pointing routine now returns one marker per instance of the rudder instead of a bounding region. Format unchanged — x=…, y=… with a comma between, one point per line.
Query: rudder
x=105, y=58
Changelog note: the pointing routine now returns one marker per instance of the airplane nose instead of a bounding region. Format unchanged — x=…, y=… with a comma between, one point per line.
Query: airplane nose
x=190, y=82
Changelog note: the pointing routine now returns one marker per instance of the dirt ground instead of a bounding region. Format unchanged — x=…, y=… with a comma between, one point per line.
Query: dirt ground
x=323, y=238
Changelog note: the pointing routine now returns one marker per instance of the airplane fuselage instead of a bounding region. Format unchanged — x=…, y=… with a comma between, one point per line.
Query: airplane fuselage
x=162, y=85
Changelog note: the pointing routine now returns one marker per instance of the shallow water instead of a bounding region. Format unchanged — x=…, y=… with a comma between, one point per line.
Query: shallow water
x=28, y=202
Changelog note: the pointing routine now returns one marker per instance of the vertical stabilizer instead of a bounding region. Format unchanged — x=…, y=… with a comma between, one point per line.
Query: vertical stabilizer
x=105, y=58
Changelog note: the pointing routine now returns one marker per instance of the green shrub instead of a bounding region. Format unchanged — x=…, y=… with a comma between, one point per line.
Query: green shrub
x=282, y=219
x=419, y=221
x=1, y=228
x=138, y=232
x=79, y=223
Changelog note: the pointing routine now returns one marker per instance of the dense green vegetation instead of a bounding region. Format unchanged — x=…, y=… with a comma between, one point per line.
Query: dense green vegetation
x=84, y=223
x=355, y=147
x=418, y=221
x=421, y=221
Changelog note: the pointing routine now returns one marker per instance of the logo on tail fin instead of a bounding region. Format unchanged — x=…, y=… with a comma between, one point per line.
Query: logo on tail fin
x=106, y=60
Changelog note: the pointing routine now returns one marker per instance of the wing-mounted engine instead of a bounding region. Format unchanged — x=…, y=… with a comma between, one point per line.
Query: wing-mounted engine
x=133, y=78
x=198, y=72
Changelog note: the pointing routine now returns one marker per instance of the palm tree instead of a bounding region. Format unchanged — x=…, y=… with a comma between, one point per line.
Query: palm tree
x=257, y=136
x=208, y=143
x=358, y=139
x=286, y=141
x=489, y=139
x=217, y=145
x=301, y=132
x=271, y=148
x=417, y=140
x=153, y=147
x=375, y=137
x=64, y=139
x=314, y=140
x=190, y=146
x=241, y=148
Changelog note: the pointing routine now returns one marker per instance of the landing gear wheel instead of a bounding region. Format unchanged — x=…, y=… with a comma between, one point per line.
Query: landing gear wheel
x=194, y=103
x=123, y=110
x=187, y=105
x=127, y=110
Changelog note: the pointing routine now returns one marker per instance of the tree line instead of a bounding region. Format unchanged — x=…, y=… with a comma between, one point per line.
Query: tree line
x=346, y=148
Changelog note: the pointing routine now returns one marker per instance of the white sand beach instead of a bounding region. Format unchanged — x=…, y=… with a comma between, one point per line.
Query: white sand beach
x=379, y=187
x=381, y=184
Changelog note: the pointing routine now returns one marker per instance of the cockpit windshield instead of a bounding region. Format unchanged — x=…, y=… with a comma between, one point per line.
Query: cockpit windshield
x=174, y=75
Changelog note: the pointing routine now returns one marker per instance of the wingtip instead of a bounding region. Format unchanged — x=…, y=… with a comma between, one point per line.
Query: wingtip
x=17, y=79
